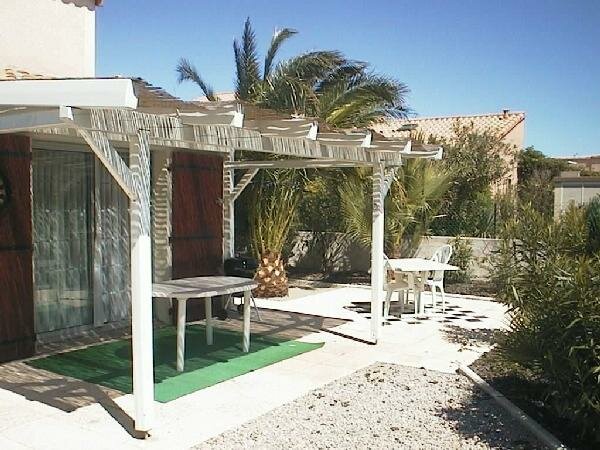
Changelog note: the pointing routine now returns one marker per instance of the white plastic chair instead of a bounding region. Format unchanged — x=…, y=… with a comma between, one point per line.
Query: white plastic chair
x=391, y=285
x=436, y=281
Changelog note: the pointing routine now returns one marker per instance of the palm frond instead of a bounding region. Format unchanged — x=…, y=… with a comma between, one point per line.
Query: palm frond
x=279, y=36
x=360, y=99
x=246, y=62
x=275, y=200
x=312, y=66
x=186, y=71
x=410, y=206
x=291, y=84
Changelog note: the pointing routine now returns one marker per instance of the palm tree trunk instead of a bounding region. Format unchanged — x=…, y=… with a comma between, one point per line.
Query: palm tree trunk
x=271, y=276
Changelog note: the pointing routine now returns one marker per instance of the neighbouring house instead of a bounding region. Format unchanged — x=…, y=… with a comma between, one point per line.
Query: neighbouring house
x=570, y=187
x=588, y=162
x=509, y=125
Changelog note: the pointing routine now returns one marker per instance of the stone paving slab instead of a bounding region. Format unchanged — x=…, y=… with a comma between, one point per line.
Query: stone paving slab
x=207, y=413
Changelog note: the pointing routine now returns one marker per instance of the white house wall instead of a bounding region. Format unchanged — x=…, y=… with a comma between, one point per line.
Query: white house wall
x=48, y=37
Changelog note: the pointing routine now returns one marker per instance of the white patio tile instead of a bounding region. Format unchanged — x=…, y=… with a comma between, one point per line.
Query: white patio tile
x=7, y=444
x=56, y=433
x=200, y=415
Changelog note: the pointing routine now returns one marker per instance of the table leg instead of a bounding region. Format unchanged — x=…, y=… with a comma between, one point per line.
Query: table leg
x=209, y=326
x=181, y=310
x=413, y=287
x=246, y=338
x=421, y=288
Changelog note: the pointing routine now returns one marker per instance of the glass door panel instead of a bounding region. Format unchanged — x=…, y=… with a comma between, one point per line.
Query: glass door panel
x=62, y=190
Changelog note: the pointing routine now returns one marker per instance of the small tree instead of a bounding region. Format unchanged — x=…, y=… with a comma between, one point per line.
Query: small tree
x=476, y=163
x=536, y=172
x=462, y=256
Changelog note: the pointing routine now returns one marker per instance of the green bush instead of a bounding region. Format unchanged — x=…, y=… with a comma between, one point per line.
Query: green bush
x=462, y=256
x=593, y=224
x=544, y=271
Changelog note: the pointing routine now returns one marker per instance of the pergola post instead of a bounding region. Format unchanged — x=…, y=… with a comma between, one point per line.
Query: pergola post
x=141, y=284
x=228, y=207
x=377, y=241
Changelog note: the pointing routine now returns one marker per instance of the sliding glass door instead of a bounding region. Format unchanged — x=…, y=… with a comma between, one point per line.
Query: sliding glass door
x=62, y=214
x=111, y=249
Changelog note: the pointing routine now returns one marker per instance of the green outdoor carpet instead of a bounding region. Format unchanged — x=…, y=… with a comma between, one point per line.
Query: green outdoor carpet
x=110, y=364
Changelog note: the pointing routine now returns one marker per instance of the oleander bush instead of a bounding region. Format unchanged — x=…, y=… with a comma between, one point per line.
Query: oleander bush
x=548, y=273
x=462, y=256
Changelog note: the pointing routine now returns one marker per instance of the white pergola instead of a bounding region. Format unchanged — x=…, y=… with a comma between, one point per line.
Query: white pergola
x=103, y=113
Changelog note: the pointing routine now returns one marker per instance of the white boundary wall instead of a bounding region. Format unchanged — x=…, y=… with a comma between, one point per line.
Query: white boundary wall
x=336, y=252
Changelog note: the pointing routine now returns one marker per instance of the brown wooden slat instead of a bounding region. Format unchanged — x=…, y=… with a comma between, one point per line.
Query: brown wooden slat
x=17, y=335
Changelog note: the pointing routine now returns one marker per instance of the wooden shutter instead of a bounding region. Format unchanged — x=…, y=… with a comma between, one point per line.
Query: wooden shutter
x=197, y=219
x=17, y=334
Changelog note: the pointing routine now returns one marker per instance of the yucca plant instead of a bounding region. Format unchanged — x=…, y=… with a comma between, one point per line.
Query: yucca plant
x=410, y=206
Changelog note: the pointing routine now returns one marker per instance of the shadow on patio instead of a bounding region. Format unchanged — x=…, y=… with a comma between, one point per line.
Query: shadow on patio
x=78, y=373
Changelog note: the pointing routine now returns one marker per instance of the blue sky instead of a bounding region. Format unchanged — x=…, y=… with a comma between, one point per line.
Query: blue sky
x=457, y=57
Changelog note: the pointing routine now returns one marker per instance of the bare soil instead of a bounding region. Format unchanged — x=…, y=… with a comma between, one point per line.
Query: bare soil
x=526, y=388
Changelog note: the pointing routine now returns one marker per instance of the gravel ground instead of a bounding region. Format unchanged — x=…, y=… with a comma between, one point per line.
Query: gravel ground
x=384, y=406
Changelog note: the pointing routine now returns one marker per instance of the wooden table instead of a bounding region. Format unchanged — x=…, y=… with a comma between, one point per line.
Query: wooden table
x=417, y=270
x=205, y=288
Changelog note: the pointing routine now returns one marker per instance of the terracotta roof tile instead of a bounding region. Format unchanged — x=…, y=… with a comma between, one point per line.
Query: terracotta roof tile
x=443, y=127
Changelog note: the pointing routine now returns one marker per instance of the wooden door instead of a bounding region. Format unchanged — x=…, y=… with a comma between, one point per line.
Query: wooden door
x=17, y=334
x=197, y=219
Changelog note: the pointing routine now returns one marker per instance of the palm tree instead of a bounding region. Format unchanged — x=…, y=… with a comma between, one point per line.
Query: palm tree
x=411, y=205
x=322, y=84
x=279, y=191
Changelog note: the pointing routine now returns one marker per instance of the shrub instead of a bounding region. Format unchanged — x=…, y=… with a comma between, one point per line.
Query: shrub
x=593, y=224
x=462, y=256
x=546, y=275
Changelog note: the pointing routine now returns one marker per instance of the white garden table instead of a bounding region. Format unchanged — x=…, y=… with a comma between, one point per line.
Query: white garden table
x=417, y=270
x=206, y=288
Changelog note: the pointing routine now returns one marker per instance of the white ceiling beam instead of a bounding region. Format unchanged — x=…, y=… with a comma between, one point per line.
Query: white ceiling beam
x=93, y=93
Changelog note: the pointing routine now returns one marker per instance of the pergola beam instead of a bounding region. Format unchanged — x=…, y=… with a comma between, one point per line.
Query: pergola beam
x=173, y=132
x=243, y=183
x=295, y=164
x=17, y=120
